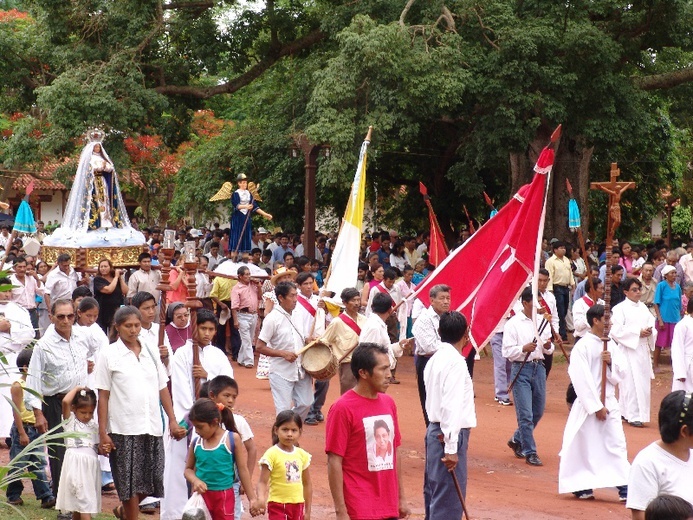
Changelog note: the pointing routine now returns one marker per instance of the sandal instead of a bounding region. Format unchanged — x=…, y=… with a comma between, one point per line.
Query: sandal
x=108, y=487
x=119, y=512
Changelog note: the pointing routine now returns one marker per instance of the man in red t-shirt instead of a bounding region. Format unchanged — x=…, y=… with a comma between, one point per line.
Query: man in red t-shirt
x=362, y=441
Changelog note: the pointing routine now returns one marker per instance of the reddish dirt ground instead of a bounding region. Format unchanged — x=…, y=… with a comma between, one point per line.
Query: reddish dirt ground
x=499, y=486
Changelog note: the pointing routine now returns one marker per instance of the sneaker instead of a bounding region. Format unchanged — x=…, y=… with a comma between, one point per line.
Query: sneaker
x=585, y=494
x=311, y=421
x=64, y=515
x=503, y=402
x=320, y=417
x=394, y=381
x=622, y=493
x=636, y=424
x=517, y=448
x=16, y=502
x=148, y=509
x=48, y=503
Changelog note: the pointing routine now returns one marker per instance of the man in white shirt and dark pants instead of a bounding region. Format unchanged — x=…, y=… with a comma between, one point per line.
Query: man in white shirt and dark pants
x=529, y=391
x=425, y=332
x=450, y=408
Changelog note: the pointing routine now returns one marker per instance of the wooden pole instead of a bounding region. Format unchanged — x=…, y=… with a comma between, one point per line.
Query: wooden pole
x=164, y=286
x=615, y=190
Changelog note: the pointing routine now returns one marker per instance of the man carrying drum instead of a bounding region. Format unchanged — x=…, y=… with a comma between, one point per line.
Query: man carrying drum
x=309, y=317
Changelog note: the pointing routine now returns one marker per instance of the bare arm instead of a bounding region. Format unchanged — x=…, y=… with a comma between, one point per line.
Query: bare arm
x=108, y=289
x=307, y=492
x=104, y=438
x=251, y=450
x=67, y=401
x=197, y=485
x=244, y=475
x=335, y=477
x=177, y=432
x=262, y=348
x=17, y=394
x=404, y=511
x=263, y=485
x=637, y=515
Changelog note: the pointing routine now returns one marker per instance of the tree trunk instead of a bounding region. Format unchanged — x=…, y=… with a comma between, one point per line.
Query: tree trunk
x=572, y=162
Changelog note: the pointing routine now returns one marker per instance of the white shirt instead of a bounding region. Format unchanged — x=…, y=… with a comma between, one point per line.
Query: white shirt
x=242, y=427
x=150, y=337
x=24, y=294
x=580, y=308
x=304, y=320
x=375, y=331
x=682, y=355
x=58, y=365
x=60, y=285
x=203, y=285
x=518, y=331
x=279, y=332
x=425, y=330
x=449, y=394
x=213, y=360
x=134, y=384
x=655, y=472
x=214, y=260
x=21, y=331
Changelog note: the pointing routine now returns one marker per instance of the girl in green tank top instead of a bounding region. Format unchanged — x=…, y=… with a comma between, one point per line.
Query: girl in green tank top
x=210, y=466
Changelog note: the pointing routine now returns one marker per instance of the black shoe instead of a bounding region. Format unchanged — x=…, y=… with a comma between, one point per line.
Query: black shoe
x=16, y=502
x=48, y=503
x=64, y=515
x=311, y=421
x=148, y=509
x=533, y=460
x=517, y=448
x=585, y=494
x=320, y=417
x=622, y=493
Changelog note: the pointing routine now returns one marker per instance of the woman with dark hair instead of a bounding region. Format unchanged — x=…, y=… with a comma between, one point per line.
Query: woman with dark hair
x=109, y=290
x=377, y=275
x=132, y=385
x=666, y=465
x=397, y=258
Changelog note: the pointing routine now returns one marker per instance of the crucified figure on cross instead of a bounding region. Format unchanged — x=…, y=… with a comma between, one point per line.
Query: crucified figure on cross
x=615, y=190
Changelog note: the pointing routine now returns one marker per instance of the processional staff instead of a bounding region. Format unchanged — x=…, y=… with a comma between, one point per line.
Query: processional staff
x=615, y=190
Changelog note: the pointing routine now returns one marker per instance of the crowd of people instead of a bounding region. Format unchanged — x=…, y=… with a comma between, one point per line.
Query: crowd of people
x=154, y=421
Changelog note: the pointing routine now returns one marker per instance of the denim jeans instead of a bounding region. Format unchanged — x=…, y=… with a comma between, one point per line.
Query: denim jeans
x=529, y=394
x=34, y=462
x=440, y=496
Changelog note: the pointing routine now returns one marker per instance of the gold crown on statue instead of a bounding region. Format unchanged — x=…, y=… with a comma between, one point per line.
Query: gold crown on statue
x=95, y=135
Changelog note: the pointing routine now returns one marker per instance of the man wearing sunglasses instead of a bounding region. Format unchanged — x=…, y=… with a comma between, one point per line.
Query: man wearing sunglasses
x=58, y=364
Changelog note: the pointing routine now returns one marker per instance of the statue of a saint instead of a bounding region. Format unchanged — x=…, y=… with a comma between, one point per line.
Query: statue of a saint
x=103, y=211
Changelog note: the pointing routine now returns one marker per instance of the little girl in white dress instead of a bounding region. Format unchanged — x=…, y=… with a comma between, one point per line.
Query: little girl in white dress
x=80, y=479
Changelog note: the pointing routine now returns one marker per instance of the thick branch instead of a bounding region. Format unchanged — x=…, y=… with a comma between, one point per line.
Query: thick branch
x=403, y=15
x=247, y=77
x=666, y=80
x=188, y=5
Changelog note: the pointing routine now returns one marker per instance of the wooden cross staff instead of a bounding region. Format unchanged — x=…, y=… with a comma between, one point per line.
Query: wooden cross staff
x=615, y=189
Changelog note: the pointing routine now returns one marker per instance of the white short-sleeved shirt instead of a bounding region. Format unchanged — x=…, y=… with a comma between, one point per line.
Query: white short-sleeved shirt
x=134, y=385
x=242, y=427
x=656, y=471
x=279, y=332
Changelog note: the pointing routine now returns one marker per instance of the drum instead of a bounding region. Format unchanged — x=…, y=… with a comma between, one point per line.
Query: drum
x=319, y=361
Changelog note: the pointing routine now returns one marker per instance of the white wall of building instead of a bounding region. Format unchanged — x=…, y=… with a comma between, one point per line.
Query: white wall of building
x=52, y=210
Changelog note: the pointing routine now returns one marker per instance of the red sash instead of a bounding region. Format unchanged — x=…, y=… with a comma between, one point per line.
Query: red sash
x=385, y=291
x=350, y=323
x=306, y=305
x=588, y=301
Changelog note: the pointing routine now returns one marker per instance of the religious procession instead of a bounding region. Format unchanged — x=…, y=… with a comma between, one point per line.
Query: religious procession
x=346, y=260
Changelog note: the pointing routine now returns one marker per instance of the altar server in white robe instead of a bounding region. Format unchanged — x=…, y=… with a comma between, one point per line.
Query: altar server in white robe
x=633, y=330
x=213, y=362
x=594, y=290
x=594, y=446
x=388, y=286
x=16, y=333
x=682, y=352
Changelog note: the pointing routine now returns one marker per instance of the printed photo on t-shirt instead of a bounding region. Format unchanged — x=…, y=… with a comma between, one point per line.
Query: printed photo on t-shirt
x=293, y=473
x=380, y=435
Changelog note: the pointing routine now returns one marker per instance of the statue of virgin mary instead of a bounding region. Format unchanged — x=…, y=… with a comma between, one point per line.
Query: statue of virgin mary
x=95, y=215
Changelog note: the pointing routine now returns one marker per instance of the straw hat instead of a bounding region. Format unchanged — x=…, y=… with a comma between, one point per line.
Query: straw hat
x=281, y=272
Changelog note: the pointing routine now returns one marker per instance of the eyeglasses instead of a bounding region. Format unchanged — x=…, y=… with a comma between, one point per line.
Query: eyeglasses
x=69, y=317
x=684, y=407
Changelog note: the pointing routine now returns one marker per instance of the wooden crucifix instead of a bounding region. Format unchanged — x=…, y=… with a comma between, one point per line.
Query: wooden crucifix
x=615, y=189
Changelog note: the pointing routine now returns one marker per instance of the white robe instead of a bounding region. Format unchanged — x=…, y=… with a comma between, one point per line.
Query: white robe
x=11, y=343
x=594, y=452
x=628, y=318
x=580, y=308
x=682, y=355
x=215, y=362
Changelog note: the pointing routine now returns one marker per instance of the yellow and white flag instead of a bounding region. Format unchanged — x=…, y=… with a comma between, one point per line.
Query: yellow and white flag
x=345, y=258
